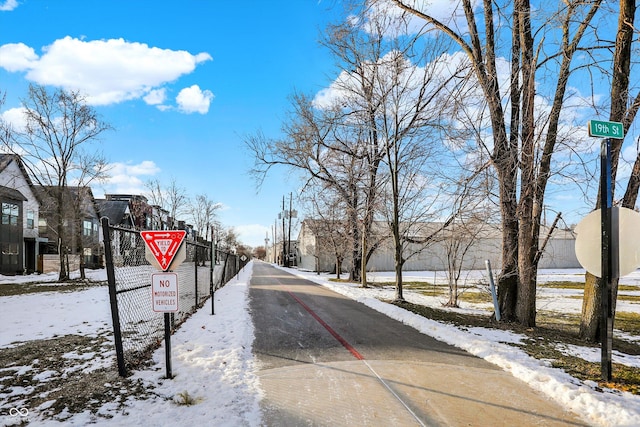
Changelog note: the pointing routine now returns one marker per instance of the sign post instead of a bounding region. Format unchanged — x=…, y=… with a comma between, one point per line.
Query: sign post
x=606, y=202
x=608, y=131
x=162, y=249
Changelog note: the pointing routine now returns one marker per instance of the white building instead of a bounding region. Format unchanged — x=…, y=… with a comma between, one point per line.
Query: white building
x=317, y=251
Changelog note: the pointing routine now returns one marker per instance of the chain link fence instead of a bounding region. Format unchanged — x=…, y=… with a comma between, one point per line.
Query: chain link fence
x=138, y=330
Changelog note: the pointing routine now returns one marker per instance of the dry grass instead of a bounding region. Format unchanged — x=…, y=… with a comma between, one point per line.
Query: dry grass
x=32, y=288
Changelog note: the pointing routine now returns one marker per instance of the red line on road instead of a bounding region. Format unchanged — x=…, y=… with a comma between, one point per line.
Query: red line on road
x=328, y=328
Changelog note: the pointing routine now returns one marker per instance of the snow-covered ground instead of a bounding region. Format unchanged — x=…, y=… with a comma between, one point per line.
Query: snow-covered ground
x=213, y=364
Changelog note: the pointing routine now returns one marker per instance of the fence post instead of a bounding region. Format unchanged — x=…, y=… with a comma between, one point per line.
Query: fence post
x=224, y=279
x=113, y=298
x=196, y=274
x=211, y=270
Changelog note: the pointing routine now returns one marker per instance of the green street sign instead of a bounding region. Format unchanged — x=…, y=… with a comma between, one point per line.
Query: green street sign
x=603, y=129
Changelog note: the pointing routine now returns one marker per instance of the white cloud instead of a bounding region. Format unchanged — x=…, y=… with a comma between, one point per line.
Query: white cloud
x=446, y=11
x=156, y=96
x=14, y=117
x=126, y=178
x=252, y=234
x=8, y=5
x=107, y=71
x=194, y=100
x=17, y=57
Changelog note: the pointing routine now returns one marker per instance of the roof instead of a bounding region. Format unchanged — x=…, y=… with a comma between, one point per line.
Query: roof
x=45, y=195
x=115, y=210
x=6, y=159
x=11, y=193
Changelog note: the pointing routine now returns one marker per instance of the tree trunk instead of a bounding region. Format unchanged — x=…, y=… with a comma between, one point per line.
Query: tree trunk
x=356, y=251
x=63, y=274
x=590, y=321
x=399, y=297
x=453, y=281
x=591, y=303
x=363, y=262
x=508, y=279
x=527, y=271
x=527, y=235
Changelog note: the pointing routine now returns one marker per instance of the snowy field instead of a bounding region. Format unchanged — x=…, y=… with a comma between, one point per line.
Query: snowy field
x=213, y=364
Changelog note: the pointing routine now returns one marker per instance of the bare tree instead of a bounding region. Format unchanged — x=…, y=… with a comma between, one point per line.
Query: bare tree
x=203, y=213
x=412, y=103
x=524, y=140
x=621, y=110
x=470, y=223
x=227, y=240
x=90, y=168
x=324, y=149
x=171, y=197
x=260, y=253
x=59, y=125
x=325, y=219
x=376, y=114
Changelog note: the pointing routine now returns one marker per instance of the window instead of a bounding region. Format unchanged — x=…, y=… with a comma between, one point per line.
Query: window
x=10, y=252
x=86, y=253
x=87, y=228
x=10, y=213
x=31, y=219
x=42, y=225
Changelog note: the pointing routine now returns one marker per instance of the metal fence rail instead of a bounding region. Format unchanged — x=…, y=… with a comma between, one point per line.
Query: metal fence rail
x=138, y=330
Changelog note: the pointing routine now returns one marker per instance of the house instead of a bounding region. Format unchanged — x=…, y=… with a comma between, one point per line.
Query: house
x=117, y=211
x=318, y=247
x=80, y=233
x=140, y=210
x=274, y=252
x=160, y=219
x=20, y=243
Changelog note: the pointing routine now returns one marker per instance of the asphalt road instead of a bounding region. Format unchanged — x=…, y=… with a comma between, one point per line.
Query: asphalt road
x=325, y=359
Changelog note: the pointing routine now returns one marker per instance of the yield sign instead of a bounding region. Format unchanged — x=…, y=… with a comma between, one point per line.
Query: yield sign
x=163, y=244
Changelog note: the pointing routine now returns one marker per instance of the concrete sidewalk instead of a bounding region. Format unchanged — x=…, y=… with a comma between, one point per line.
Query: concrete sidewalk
x=326, y=360
x=400, y=393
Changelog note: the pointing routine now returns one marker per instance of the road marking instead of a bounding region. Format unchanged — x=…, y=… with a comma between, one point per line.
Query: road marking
x=355, y=354
x=336, y=335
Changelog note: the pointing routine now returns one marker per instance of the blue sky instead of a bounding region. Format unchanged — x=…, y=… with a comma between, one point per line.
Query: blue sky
x=183, y=83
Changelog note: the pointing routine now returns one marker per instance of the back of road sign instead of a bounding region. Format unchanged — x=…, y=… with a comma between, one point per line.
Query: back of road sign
x=625, y=242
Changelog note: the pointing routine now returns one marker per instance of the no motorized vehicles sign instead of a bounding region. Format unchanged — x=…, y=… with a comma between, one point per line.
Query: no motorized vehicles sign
x=164, y=292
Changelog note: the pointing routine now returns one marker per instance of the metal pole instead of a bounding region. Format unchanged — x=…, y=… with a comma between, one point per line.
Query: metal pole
x=289, y=235
x=606, y=201
x=167, y=343
x=494, y=294
x=195, y=273
x=284, y=243
x=113, y=299
x=214, y=257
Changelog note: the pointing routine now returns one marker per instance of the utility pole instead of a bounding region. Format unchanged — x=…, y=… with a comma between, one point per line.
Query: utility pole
x=266, y=245
x=285, y=262
x=289, y=234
